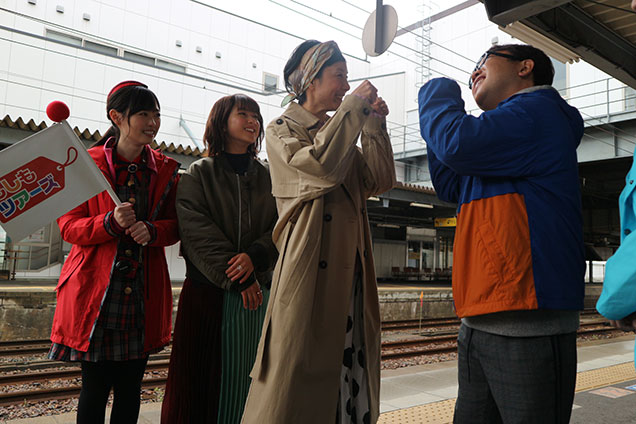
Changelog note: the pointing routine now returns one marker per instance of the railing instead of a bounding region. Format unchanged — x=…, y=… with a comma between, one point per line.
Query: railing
x=601, y=99
x=406, y=139
x=407, y=142
x=33, y=254
x=13, y=259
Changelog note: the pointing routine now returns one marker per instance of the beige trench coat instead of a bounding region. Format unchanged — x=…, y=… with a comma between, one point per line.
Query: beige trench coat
x=321, y=181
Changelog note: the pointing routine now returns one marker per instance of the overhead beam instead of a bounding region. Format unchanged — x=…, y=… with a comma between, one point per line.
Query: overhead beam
x=397, y=193
x=504, y=12
x=598, y=45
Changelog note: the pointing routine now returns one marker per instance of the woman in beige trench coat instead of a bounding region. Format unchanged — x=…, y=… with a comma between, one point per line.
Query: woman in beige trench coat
x=318, y=359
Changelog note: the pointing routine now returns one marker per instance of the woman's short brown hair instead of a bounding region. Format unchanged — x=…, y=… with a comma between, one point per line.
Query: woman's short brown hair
x=215, y=135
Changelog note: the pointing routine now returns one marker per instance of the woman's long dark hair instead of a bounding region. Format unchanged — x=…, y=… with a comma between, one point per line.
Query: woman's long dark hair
x=128, y=101
x=215, y=135
x=297, y=56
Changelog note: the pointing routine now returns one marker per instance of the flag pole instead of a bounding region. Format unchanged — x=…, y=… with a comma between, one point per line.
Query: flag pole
x=113, y=196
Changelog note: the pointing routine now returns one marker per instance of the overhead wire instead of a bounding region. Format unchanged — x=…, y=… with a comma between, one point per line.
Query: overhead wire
x=472, y=61
x=360, y=28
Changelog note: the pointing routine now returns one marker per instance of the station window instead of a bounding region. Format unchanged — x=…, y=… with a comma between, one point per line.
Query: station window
x=428, y=252
x=114, y=51
x=170, y=66
x=100, y=48
x=413, y=259
x=139, y=58
x=64, y=38
x=270, y=82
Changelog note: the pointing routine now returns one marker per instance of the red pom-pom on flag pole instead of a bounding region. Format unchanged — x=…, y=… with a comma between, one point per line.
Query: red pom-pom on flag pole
x=57, y=111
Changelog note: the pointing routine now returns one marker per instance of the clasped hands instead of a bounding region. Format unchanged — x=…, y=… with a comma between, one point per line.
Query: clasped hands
x=124, y=215
x=367, y=91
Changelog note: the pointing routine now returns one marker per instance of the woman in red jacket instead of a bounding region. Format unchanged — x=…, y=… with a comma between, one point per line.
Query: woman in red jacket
x=114, y=301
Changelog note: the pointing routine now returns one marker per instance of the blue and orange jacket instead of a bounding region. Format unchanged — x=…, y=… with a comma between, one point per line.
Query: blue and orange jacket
x=513, y=173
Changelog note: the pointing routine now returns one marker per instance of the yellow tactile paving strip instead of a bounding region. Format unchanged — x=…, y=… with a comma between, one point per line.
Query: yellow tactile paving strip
x=605, y=376
x=442, y=412
x=431, y=413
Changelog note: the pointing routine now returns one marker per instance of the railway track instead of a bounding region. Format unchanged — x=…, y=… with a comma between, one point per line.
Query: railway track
x=423, y=346
x=416, y=347
x=24, y=347
x=413, y=324
x=67, y=374
x=12, y=398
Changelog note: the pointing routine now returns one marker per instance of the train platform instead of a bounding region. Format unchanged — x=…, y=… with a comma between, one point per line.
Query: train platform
x=605, y=390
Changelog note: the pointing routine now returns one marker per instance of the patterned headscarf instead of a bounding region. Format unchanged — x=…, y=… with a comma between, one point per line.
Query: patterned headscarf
x=310, y=65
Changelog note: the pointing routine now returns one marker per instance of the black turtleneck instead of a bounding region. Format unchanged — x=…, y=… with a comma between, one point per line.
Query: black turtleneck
x=239, y=162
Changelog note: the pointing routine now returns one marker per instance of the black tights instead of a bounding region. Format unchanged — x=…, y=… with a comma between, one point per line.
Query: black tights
x=124, y=377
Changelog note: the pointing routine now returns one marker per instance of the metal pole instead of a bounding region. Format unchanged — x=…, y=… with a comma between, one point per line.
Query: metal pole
x=379, y=26
x=15, y=260
x=607, y=81
x=404, y=141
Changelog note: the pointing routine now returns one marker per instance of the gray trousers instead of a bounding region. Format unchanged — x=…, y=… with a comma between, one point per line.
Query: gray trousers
x=515, y=379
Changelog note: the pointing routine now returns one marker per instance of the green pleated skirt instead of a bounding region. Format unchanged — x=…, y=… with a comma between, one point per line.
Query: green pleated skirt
x=240, y=334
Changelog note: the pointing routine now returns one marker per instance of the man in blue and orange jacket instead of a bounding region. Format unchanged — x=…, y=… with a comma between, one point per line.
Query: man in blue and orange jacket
x=518, y=271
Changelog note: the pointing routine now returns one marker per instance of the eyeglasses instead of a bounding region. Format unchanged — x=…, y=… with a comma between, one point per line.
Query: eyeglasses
x=484, y=57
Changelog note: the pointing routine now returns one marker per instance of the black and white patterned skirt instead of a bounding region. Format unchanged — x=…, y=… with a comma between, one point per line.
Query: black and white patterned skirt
x=353, y=401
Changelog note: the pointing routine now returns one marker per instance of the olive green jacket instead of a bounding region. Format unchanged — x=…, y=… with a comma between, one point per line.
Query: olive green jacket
x=321, y=181
x=220, y=214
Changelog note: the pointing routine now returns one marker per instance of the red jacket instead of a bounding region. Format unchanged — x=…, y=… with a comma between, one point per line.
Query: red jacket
x=86, y=272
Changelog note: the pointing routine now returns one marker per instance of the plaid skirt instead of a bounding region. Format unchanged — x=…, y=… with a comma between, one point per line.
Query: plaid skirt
x=119, y=332
x=106, y=345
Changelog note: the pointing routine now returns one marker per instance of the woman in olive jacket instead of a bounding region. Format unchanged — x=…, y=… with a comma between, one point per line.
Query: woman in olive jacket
x=319, y=355
x=226, y=214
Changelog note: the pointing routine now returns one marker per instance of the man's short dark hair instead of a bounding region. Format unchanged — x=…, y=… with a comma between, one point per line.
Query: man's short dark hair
x=543, y=72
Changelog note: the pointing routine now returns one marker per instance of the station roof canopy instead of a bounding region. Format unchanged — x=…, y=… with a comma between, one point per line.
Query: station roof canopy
x=409, y=205
x=89, y=136
x=601, y=32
